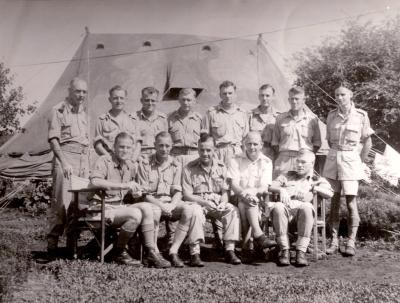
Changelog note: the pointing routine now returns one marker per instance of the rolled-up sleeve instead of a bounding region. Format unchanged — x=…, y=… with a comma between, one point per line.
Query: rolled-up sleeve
x=366, y=131
x=205, y=123
x=233, y=172
x=186, y=182
x=316, y=140
x=176, y=183
x=54, y=126
x=100, y=169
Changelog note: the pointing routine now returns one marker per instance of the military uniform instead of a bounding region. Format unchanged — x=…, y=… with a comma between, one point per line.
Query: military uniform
x=228, y=128
x=108, y=127
x=162, y=181
x=148, y=127
x=185, y=133
x=210, y=185
x=292, y=134
x=264, y=124
x=300, y=210
x=70, y=128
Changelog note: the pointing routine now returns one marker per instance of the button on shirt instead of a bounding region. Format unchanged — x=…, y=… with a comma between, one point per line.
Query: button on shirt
x=263, y=123
x=199, y=180
x=250, y=174
x=185, y=131
x=67, y=125
x=108, y=127
x=149, y=127
x=294, y=133
x=162, y=179
x=226, y=126
x=110, y=169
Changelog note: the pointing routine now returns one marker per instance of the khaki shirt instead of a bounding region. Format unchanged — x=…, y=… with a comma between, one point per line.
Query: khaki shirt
x=344, y=134
x=293, y=134
x=160, y=179
x=67, y=125
x=293, y=183
x=250, y=174
x=226, y=126
x=263, y=123
x=110, y=169
x=148, y=128
x=108, y=127
x=198, y=180
x=184, y=131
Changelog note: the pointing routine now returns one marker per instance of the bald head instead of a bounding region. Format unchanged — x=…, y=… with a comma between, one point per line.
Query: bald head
x=77, y=91
x=252, y=136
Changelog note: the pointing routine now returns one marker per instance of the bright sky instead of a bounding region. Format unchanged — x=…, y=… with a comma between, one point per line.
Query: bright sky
x=33, y=31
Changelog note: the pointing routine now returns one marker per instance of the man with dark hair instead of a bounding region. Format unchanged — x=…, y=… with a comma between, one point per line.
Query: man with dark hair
x=161, y=175
x=296, y=189
x=116, y=175
x=263, y=117
x=69, y=139
x=227, y=123
x=148, y=120
x=113, y=122
x=294, y=130
x=349, y=138
x=204, y=182
x=184, y=125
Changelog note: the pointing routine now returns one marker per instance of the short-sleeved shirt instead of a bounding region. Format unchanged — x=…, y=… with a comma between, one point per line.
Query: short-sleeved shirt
x=295, y=133
x=149, y=127
x=66, y=125
x=250, y=174
x=110, y=169
x=161, y=179
x=294, y=183
x=198, y=180
x=263, y=123
x=344, y=134
x=184, y=131
x=108, y=127
x=226, y=126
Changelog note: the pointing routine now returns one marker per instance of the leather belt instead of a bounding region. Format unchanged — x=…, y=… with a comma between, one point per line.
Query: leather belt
x=343, y=147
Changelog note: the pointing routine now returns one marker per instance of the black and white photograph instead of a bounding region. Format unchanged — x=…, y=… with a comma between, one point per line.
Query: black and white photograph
x=199, y=151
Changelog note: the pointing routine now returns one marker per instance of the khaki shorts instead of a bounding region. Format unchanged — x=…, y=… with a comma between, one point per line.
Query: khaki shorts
x=347, y=187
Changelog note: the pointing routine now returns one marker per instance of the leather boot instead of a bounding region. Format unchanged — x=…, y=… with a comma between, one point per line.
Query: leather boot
x=231, y=258
x=195, y=261
x=263, y=242
x=123, y=258
x=301, y=259
x=155, y=260
x=283, y=259
x=176, y=261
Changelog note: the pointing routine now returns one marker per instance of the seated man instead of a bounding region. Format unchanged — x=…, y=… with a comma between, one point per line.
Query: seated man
x=251, y=176
x=296, y=190
x=204, y=182
x=161, y=175
x=116, y=175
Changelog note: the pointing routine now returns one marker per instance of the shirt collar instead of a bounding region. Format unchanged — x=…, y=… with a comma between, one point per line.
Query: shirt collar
x=70, y=108
x=302, y=115
x=160, y=165
x=177, y=115
x=257, y=111
x=153, y=117
x=221, y=108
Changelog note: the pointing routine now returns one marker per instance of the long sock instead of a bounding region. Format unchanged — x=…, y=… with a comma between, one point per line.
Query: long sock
x=180, y=235
x=148, y=235
x=128, y=229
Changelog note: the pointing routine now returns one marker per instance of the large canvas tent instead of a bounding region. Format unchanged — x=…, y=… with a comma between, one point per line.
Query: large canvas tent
x=168, y=62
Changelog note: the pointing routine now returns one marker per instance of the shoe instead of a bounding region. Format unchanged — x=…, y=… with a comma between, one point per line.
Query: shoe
x=263, y=242
x=195, y=261
x=123, y=258
x=333, y=248
x=301, y=259
x=175, y=261
x=349, y=251
x=247, y=256
x=231, y=258
x=155, y=260
x=283, y=259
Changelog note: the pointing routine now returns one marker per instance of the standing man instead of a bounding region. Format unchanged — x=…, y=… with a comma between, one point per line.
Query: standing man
x=296, y=190
x=69, y=140
x=149, y=122
x=227, y=123
x=161, y=174
x=349, y=138
x=204, y=182
x=184, y=125
x=294, y=130
x=251, y=175
x=262, y=119
x=115, y=121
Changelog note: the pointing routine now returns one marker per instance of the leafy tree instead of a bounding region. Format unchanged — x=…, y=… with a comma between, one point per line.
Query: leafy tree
x=366, y=56
x=11, y=106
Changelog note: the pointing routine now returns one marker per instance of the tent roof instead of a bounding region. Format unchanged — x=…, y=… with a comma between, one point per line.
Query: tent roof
x=138, y=60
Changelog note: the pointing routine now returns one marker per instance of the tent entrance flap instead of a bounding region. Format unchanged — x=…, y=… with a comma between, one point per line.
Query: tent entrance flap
x=173, y=92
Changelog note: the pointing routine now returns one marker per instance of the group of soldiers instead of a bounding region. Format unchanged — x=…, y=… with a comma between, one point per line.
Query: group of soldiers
x=186, y=168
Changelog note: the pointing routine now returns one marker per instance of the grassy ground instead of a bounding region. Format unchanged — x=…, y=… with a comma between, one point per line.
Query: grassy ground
x=372, y=276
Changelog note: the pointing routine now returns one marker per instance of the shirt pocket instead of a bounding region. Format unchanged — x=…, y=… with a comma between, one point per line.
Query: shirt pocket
x=218, y=129
x=307, y=131
x=334, y=133
x=286, y=129
x=352, y=133
x=239, y=126
x=175, y=133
